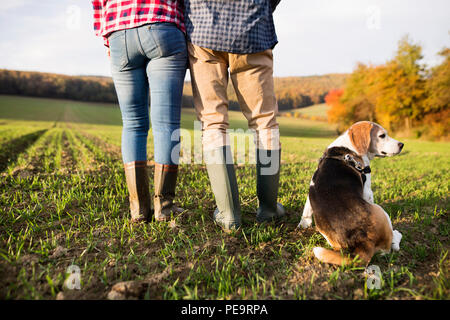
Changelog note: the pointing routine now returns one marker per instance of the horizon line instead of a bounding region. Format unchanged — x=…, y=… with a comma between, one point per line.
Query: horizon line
x=187, y=74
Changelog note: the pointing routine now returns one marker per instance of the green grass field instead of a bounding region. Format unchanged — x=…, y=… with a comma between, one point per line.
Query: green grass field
x=319, y=110
x=63, y=201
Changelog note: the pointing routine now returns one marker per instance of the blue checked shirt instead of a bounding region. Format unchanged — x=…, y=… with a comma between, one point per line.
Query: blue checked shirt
x=235, y=26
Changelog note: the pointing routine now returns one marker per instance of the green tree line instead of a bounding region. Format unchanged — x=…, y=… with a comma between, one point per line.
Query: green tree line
x=49, y=85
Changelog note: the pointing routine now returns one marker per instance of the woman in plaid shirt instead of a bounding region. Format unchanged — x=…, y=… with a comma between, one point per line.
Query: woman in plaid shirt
x=147, y=46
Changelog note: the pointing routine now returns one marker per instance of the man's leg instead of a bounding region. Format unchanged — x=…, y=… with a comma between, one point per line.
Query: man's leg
x=209, y=76
x=252, y=77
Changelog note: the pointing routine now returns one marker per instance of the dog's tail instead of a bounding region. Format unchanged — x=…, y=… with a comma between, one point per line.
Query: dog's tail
x=330, y=256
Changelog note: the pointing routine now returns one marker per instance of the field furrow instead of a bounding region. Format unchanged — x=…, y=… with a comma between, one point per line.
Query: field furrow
x=82, y=157
x=11, y=150
x=102, y=150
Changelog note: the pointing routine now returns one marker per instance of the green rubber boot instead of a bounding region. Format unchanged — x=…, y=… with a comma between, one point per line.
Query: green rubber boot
x=224, y=186
x=267, y=182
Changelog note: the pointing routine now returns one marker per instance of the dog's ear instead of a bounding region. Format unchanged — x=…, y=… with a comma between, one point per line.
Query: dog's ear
x=359, y=135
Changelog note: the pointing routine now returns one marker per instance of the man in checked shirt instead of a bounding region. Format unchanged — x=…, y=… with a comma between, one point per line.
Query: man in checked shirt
x=235, y=38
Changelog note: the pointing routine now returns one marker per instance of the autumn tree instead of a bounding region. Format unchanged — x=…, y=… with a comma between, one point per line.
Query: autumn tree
x=337, y=113
x=400, y=88
x=397, y=94
x=357, y=101
x=437, y=104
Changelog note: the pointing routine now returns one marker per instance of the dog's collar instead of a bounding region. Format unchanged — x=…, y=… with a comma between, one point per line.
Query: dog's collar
x=356, y=164
x=348, y=158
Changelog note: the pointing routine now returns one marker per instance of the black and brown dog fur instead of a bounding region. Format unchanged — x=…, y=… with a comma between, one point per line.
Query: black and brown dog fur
x=342, y=216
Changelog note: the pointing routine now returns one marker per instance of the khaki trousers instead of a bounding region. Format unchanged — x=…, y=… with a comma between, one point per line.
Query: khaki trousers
x=252, y=79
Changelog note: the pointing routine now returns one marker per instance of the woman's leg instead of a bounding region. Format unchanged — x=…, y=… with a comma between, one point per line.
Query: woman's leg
x=130, y=80
x=166, y=71
x=166, y=79
x=132, y=92
x=128, y=68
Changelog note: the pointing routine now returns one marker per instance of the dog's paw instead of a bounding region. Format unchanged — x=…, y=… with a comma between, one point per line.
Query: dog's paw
x=397, y=237
x=318, y=252
x=305, y=223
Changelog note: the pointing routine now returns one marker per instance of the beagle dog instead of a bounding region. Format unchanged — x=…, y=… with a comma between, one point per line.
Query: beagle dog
x=341, y=200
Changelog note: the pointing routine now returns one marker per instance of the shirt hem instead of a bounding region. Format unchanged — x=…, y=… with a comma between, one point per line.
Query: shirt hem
x=233, y=50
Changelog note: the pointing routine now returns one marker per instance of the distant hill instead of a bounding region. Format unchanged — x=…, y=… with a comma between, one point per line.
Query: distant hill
x=291, y=92
x=50, y=85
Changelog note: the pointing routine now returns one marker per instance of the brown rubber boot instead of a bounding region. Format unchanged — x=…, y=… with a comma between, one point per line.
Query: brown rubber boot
x=165, y=183
x=136, y=175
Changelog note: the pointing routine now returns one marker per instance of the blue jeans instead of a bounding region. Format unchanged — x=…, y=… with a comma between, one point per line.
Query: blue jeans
x=151, y=56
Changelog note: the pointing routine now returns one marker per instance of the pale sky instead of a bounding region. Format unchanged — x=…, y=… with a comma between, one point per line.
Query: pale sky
x=315, y=37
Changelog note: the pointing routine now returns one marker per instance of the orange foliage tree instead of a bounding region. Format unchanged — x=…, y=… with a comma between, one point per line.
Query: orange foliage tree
x=337, y=111
x=401, y=88
x=400, y=94
x=437, y=104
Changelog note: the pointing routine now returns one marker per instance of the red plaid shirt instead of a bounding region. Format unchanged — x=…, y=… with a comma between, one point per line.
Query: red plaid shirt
x=114, y=15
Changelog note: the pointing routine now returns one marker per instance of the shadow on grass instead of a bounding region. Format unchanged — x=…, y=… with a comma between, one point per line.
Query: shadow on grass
x=10, y=150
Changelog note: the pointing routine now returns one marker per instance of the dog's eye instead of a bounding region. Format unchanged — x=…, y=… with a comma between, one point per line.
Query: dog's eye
x=383, y=136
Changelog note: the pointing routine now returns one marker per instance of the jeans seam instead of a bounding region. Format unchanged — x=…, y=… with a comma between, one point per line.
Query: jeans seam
x=127, y=58
x=156, y=43
x=141, y=49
